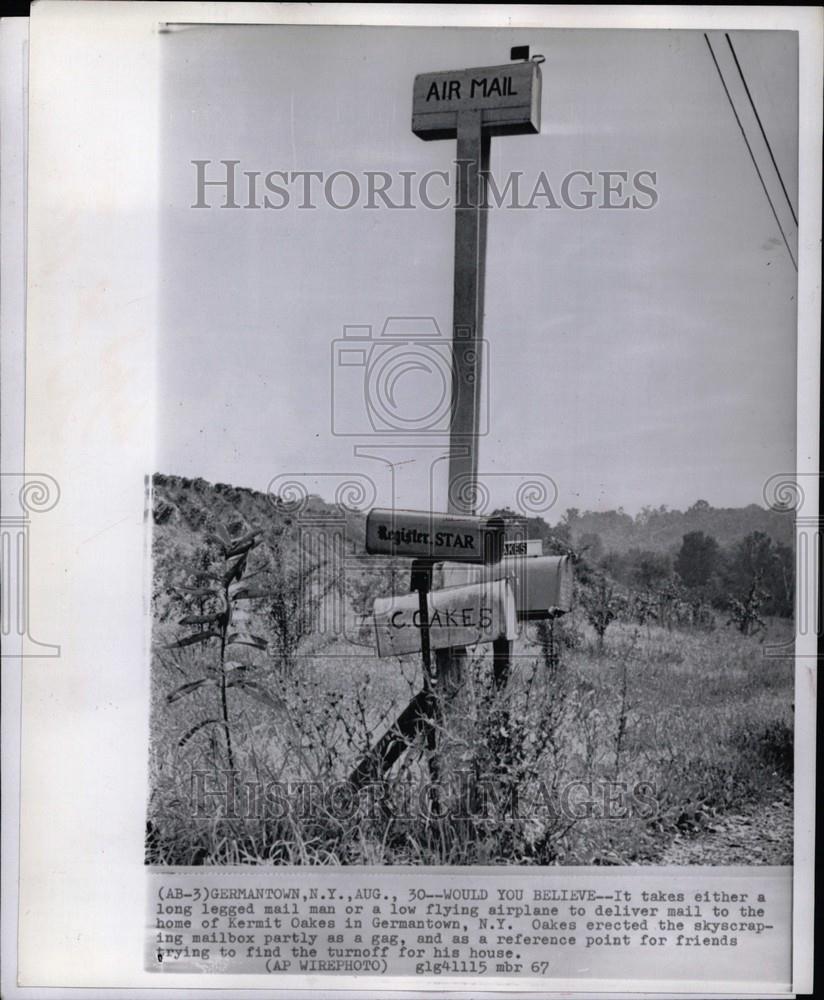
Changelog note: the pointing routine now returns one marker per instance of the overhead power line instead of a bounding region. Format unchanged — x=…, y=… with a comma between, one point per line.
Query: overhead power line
x=763, y=133
x=749, y=150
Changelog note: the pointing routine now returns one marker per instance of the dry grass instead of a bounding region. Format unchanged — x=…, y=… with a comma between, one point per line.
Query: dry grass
x=673, y=727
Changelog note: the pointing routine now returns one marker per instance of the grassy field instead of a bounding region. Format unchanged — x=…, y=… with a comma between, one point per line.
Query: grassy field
x=588, y=756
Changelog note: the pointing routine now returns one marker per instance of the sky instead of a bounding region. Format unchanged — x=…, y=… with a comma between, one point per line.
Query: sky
x=633, y=357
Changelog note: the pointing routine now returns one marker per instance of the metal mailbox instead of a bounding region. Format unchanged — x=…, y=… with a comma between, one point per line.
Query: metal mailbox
x=424, y=535
x=540, y=583
x=461, y=616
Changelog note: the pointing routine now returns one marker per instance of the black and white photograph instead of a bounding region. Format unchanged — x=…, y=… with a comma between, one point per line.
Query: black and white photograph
x=477, y=365
x=410, y=549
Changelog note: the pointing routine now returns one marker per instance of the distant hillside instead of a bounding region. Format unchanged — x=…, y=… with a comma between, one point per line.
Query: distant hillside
x=661, y=530
x=190, y=508
x=641, y=551
x=186, y=514
x=186, y=509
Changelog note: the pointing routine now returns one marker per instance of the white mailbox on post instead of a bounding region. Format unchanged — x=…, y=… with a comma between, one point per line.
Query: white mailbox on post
x=462, y=616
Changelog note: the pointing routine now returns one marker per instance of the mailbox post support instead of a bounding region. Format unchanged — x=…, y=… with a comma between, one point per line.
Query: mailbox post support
x=415, y=718
x=472, y=165
x=422, y=711
x=422, y=582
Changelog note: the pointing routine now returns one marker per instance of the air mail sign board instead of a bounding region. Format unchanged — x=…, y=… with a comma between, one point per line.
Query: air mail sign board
x=423, y=535
x=508, y=97
x=461, y=616
x=539, y=584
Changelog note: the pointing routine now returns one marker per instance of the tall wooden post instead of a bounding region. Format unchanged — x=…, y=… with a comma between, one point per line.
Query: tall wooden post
x=472, y=164
x=471, y=106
